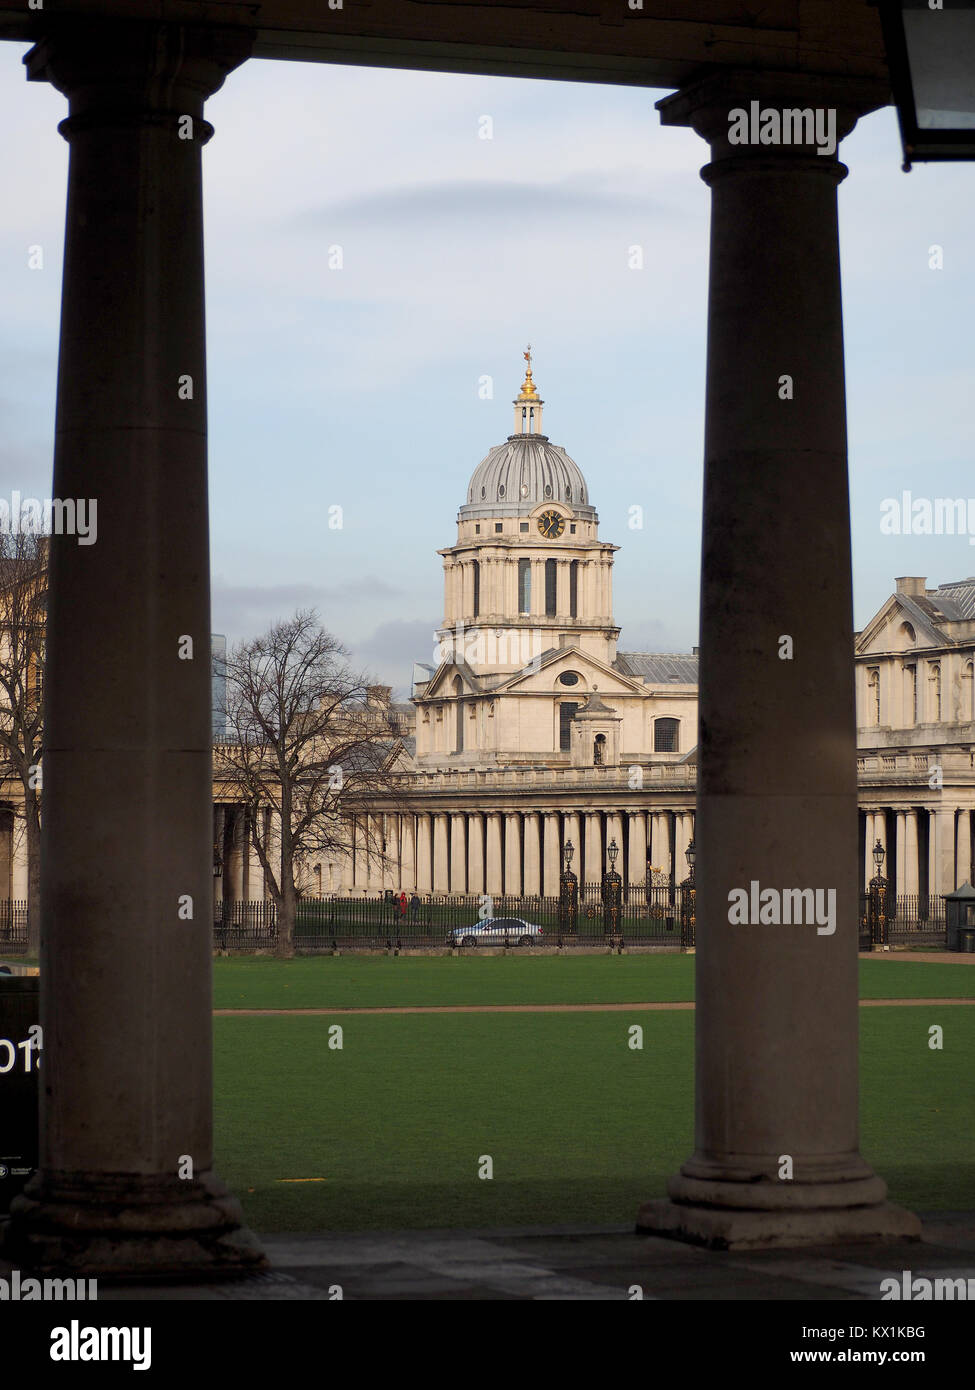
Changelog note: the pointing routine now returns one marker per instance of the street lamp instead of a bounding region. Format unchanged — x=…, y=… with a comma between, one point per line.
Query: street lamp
x=929, y=56
x=568, y=895
x=217, y=864
x=690, y=855
x=612, y=890
x=878, y=900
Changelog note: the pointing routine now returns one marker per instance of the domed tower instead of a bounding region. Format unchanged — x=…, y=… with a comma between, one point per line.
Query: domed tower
x=528, y=572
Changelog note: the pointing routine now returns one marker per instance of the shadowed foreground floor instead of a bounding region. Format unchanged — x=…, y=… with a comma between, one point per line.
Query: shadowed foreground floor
x=563, y=1263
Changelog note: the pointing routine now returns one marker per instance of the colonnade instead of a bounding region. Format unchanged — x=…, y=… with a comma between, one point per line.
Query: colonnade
x=926, y=849
x=126, y=949
x=495, y=594
x=512, y=852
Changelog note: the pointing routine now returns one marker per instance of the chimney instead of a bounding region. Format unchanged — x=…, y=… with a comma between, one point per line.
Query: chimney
x=911, y=585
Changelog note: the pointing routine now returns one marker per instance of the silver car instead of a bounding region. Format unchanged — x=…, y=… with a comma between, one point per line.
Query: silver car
x=496, y=931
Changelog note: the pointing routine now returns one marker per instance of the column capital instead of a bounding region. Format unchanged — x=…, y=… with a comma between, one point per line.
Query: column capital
x=705, y=104
x=124, y=72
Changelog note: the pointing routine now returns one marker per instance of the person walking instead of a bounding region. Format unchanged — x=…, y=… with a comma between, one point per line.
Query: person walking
x=415, y=907
x=401, y=904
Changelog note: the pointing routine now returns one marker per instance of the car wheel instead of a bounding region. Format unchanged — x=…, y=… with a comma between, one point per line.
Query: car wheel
x=469, y=941
x=525, y=940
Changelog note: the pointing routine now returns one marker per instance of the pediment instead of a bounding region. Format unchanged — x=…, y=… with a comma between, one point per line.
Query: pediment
x=882, y=636
x=595, y=674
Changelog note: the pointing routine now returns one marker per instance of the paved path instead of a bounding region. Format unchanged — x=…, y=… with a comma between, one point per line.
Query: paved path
x=530, y=1008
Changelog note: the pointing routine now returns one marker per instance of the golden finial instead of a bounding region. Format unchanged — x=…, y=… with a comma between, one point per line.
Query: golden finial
x=528, y=389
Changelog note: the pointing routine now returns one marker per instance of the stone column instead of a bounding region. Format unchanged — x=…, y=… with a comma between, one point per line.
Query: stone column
x=494, y=875
x=538, y=588
x=614, y=831
x=441, y=876
x=348, y=858
x=776, y=1017
x=234, y=871
x=372, y=830
x=869, y=839
x=533, y=856
x=466, y=571
x=572, y=831
x=512, y=854
x=562, y=589
x=637, y=859
x=219, y=850
x=458, y=853
x=127, y=876
x=553, y=862
x=475, y=853
x=512, y=599
x=594, y=865
x=963, y=848
x=900, y=830
x=424, y=854
x=407, y=853
x=912, y=864
x=661, y=842
x=941, y=877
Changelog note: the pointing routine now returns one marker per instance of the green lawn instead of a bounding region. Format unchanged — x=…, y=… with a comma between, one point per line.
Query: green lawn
x=580, y=1128
x=336, y=982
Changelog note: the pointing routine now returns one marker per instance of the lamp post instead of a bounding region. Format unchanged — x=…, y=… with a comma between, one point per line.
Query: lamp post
x=688, y=899
x=931, y=76
x=612, y=891
x=879, y=918
x=568, y=894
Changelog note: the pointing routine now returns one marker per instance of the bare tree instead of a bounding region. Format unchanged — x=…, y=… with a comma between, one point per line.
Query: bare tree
x=23, y=610
x=302, y=737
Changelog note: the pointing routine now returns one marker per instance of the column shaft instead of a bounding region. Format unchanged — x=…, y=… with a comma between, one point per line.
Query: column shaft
x=777, y=1010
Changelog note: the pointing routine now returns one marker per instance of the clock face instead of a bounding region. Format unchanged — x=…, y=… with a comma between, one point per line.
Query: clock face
x=551, y=525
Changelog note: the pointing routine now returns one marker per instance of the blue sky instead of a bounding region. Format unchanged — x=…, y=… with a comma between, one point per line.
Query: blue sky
x=358, y=387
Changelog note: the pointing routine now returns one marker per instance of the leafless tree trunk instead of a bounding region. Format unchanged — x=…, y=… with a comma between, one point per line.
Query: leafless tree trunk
x=302, y=736
x=23, y=596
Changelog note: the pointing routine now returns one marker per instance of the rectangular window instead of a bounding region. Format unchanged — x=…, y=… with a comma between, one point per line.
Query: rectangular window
x=551, y=580
x=566, y=713
x=574, y=589
x=523, y=526
x=524, y=586
x=477, y=588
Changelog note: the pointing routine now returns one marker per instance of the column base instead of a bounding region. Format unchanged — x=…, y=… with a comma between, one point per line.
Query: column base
x=125, y=1227
x=741, y=1228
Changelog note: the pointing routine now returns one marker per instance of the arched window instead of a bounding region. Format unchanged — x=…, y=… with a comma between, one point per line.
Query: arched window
x=477, y=588
x=566, y=714
x=665, y=735
x=551, y=580
x=873, y=695
x=524, y=586
x=934, y=685
x=573, y=588
x=599, y=750
x=968, y=692
x=910, y=693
